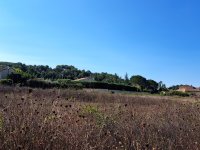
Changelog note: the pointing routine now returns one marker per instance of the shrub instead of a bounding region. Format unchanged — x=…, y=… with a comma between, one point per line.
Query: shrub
x=175, y=93
x=40, y=83
x=19, y=77
x=93, y=111
x=109, y=86
x=6, y=82
x=63, y=81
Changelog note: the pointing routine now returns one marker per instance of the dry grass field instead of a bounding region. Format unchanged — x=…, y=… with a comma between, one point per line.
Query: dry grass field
x=82, y=120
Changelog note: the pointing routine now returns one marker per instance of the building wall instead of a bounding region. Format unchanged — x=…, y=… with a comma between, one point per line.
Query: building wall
x=187, y=89
x=181, y=90
x=4, y=73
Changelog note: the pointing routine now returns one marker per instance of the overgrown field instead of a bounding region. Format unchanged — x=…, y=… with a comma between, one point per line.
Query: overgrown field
x=70, y=119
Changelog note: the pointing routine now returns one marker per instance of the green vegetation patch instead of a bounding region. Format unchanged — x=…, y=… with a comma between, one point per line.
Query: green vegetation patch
x=6, y=82
x=100, y=118
x=175, y=93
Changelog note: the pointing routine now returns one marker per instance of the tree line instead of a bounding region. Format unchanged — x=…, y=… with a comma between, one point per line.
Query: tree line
x=24, y=72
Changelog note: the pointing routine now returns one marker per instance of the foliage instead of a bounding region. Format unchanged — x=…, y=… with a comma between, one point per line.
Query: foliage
x=40, y=83
x=62, y=76
x=46, y=72
x=110, y=86
x=139, y=80
x=94, y=112
x=19, y=76
x=152, y=86
x=175, y=93
x=109, y=78
x=162, y=86
x=6, y=82
x=144, y=84
x=126, y=78
x=63, y=81
x=174, y=87
x=69, y=84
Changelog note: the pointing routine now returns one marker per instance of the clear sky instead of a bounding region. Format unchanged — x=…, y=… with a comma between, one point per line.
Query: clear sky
x=159, y=39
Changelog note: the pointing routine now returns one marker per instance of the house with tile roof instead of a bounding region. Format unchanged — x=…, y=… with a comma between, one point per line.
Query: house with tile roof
x=187, y=88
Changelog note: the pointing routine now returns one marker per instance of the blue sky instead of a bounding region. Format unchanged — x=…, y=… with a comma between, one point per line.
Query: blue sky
x=159, y=39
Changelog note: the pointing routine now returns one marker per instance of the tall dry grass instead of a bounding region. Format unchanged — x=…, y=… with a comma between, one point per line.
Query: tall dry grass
x=69, y=119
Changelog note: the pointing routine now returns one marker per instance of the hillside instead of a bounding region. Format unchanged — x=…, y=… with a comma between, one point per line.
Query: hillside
x=70, y=72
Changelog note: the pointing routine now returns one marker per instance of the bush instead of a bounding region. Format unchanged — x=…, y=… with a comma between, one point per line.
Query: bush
x=19, y=77
x=62, y=83
x=175, y=93
x=6, y=82
x=66, y=83
x=40, y=83
x=109, y=86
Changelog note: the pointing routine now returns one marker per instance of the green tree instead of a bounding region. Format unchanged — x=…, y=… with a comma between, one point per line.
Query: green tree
x=19, y=76
x=139, y=81
x=152, y=86
x=126, y=78
x=175, y=87
x=161, y=86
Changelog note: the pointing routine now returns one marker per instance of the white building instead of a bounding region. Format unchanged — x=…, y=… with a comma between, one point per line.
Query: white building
x=5, y=71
